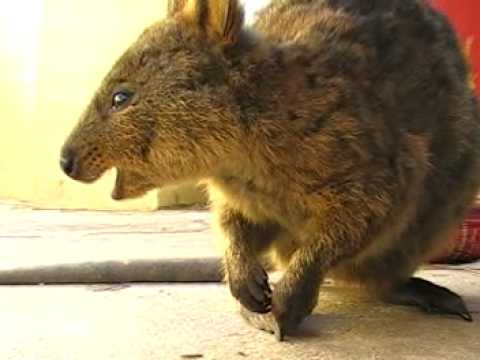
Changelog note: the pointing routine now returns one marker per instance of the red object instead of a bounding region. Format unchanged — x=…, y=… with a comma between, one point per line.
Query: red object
x=466, y=245
x=465, y=18
x=464, y=15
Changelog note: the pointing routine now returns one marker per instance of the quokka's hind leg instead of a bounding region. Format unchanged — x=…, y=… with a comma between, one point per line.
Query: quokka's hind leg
x=389, y=277
x=429, y=297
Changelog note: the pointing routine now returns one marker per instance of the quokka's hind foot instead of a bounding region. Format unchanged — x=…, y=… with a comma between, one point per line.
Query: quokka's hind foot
x=429, y=297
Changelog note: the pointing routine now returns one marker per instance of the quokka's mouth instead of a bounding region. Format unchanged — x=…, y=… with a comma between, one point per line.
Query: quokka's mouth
x=118, y=192
x=130, y=185
x=88, y=175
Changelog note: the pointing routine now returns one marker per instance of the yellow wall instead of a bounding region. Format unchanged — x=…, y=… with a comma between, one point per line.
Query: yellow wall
x=53, y=54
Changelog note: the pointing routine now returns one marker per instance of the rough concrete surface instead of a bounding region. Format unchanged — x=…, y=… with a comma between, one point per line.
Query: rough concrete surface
x=193, y=321
x=166, y=321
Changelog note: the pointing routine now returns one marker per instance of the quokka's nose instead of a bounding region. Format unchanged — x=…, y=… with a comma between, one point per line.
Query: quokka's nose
x=68, y=162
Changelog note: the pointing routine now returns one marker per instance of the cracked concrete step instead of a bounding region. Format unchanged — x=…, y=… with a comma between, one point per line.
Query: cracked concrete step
x=45, y=237
x=54, y=246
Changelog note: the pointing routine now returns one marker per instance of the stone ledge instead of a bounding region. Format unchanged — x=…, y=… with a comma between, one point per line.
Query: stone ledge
x=129, y=271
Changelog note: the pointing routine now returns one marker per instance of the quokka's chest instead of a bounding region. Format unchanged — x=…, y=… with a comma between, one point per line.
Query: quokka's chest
x=242, y=196
x=258, y=204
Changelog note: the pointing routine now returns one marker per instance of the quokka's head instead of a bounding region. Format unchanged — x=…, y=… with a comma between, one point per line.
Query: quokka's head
x=164, y=110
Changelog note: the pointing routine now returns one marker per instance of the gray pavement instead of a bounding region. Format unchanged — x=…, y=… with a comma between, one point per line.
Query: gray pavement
x=163, y=321
x=192, y=321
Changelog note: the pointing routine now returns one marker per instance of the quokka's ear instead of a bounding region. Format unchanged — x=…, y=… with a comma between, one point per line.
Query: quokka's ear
x=175, y=6
x=222, y=20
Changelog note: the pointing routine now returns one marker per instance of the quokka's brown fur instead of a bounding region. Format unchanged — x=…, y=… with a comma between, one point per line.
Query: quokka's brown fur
x=336, y=137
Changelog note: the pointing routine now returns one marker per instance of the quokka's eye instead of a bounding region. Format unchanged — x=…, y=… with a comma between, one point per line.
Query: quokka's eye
x=120, y=99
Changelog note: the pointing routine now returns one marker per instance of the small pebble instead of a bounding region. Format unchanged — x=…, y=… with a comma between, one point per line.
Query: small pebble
x=192, y=356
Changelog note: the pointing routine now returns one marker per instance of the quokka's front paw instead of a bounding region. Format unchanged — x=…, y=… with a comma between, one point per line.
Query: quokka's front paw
x=264, y=322
x=249, y=284
x=289, y=308
x=279, y=325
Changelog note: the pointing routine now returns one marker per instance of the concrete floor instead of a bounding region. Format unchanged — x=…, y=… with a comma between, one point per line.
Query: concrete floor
x=166, y=321
x=162, y=321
